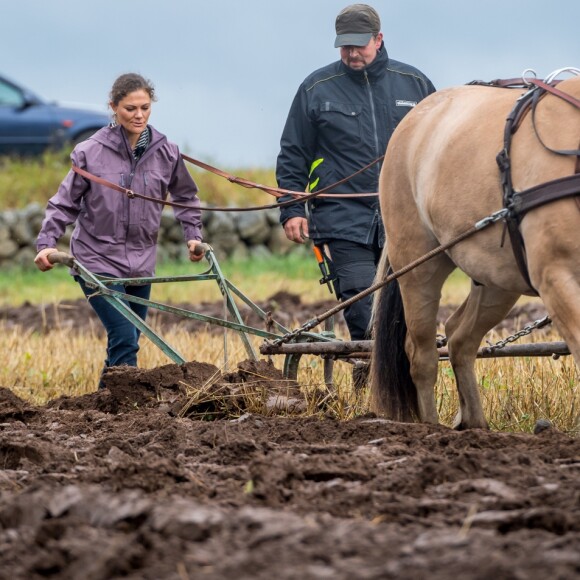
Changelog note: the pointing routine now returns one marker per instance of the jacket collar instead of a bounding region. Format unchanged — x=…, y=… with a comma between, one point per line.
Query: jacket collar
x=115, y=138
x=373, y=71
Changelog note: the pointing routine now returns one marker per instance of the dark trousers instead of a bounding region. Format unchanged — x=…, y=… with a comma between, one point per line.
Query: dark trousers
x=355, y=266
x=122, y=336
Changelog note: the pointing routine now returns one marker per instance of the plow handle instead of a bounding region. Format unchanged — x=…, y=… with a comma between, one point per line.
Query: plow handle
x=61, y=258
x=201, y=249
x=67, y=259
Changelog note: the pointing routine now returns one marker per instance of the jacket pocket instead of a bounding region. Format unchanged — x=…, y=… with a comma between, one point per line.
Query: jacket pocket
x=103, y=209
x=340, y=123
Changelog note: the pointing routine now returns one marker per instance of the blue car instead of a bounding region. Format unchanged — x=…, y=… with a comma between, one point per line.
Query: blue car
x=29, y=125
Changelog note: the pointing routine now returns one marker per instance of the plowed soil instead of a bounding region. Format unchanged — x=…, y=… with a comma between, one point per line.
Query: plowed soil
x=169, y=473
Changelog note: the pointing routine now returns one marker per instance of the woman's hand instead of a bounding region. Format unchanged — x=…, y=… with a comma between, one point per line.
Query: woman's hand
x=195, y=253
x=41, y=259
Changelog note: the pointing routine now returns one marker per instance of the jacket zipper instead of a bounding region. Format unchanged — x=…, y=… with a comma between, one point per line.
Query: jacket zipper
x=373, y=114
x=374, y=224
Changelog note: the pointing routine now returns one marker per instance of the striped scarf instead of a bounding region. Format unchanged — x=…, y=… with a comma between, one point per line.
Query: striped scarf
x=142, y=143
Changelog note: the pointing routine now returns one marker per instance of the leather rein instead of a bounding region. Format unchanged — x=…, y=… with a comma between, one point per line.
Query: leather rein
x=299, y=197
x=518, y=203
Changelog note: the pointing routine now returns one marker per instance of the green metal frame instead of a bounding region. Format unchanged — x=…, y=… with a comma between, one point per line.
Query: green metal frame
x=228, y=290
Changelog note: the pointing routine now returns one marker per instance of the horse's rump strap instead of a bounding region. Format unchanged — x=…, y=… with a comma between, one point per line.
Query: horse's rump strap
x=513, y=83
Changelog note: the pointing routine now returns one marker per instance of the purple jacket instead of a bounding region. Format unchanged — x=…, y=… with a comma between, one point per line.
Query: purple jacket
x=115, y=235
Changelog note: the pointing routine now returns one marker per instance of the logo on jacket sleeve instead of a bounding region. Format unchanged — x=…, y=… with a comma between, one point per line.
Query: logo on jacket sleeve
x=402, y=103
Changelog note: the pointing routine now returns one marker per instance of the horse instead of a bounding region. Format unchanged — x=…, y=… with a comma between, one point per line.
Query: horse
x=440, y=176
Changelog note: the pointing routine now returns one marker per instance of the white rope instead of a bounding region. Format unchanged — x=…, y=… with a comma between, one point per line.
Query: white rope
x=568, y=70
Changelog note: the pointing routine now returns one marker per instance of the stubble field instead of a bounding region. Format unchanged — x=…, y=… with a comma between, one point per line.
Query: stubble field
x=204, y=471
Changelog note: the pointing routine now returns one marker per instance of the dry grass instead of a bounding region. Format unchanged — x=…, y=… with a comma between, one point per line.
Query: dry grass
x=515, y=392
x=39, y=367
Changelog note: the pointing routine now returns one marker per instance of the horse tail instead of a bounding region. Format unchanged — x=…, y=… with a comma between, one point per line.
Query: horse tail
x=393, y=392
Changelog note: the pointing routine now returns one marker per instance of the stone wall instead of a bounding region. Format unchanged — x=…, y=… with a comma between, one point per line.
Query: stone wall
x=232, y=235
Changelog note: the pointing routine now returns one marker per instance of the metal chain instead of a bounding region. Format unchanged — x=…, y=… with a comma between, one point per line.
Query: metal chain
x=540, y=323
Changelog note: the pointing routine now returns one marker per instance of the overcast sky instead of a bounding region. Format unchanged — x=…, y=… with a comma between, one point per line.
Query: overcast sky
x=226, y=71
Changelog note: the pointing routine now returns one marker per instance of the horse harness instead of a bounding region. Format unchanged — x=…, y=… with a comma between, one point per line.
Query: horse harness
x=518, y=203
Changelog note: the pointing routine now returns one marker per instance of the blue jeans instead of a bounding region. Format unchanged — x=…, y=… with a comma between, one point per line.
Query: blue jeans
x=122, y=336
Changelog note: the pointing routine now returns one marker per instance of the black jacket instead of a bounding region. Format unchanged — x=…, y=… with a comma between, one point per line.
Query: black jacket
x=341, y=120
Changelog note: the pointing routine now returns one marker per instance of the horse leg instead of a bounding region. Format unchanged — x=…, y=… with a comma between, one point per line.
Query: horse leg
x=552, y=247
x=559, y=288
x=482, y=310
x=421, y=292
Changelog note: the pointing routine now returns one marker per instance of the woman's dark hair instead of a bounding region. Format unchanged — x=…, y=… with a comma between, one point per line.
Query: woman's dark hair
x=128, y=83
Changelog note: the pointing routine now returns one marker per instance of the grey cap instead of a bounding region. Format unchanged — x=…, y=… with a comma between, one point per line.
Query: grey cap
x=356, y=24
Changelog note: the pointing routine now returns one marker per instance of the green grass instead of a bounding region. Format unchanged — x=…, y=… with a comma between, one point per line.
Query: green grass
x=258, y=279
x=24, y=181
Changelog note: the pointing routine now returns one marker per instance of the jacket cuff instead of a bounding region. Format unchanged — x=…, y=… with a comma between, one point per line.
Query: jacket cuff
x=192, y=233
x=45, y=243
x=287, y=213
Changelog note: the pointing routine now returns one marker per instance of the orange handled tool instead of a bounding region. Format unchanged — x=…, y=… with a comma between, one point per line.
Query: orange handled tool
x=327, y=277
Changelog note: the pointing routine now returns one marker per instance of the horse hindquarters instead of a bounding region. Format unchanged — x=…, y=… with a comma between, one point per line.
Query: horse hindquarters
x=393, y=392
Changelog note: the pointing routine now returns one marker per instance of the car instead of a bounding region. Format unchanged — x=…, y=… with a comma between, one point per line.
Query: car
x=29, y=125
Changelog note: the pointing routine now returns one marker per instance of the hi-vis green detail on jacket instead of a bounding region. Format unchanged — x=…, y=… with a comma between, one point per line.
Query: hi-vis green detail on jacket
x=312, y=185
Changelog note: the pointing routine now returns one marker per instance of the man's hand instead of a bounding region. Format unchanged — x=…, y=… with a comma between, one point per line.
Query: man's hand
x=193, y=255
x=296, y=229
x=41, y=259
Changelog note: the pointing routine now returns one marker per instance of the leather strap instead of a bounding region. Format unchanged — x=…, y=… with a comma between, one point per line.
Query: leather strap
x=513, y=83
x=535, y=100
x=299, y=197
x=552, y=89
x=524, y=201
x=519, y=203
x=279, y=192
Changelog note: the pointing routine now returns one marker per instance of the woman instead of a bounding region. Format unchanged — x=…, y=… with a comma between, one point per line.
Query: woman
x=116, y=236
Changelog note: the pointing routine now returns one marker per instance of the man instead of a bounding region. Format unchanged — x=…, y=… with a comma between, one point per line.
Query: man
x=341, y=119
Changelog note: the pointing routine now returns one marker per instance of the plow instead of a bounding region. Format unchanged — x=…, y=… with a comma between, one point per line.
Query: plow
x=278, y=340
